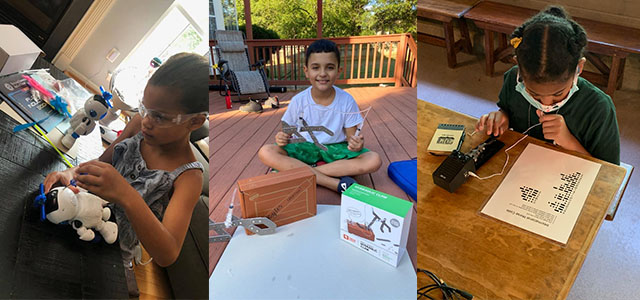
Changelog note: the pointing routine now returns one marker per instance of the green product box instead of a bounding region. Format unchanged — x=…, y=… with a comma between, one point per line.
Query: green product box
x=375, y=222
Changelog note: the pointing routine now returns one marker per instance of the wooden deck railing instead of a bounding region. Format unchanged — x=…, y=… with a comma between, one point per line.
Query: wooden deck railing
x=364, y=59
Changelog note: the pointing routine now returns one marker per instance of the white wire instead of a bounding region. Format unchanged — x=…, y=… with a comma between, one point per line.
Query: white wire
x=363, y=119
x=507, y=153
x=137, y=259
x=145, y=263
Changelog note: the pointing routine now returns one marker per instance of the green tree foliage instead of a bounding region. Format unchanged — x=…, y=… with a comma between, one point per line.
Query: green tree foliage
x=288, y=18
x=259, y=32
x=297, y=18
x=344, y=18
x=394, y=16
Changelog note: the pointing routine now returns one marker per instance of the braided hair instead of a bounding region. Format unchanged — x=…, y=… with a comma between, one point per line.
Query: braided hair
x=552, y=45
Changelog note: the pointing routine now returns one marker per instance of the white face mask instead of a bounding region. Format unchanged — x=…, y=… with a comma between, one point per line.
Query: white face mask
x=546, y=108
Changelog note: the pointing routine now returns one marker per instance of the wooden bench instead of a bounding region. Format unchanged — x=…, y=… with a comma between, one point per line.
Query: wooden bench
x=613, y=208
x=445, y=12
x=604, y=39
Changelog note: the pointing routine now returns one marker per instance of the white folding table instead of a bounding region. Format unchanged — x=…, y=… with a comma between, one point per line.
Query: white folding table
x=307, y=260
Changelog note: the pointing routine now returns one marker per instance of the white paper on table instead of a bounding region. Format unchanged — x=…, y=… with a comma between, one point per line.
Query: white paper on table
x=306, y=260
x=543, y=192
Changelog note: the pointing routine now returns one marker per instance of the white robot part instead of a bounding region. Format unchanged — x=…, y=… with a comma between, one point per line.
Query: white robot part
x=96, y=107
x=84, y=233
x=84, y=211
x=83, y=121
x=108, y=135
x=112, y=115
x=81, y=124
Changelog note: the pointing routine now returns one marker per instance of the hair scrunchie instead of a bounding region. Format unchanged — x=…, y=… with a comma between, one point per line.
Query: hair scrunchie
x=515, y=42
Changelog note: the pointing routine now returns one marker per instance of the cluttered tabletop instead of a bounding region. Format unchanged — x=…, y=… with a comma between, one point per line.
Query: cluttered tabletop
x=484, y=255
x=39, y=258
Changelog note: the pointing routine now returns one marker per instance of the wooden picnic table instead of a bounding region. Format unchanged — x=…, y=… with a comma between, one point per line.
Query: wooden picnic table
x=446, y=11
x=603, y=39
x=483, y=256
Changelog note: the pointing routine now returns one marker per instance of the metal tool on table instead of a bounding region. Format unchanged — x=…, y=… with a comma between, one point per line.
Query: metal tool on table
x=295, y=131
x=250, y=224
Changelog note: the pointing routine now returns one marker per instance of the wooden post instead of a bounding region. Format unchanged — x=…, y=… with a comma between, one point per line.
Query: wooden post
x=249, y=29
x=488, y=49
x=247, y=19
x=319, y=33
x=613, y=75
x=414, y=63
x=450, y=43
x=400, y=54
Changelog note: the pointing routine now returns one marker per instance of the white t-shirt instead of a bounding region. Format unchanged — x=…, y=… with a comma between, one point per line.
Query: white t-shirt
x=342, y=113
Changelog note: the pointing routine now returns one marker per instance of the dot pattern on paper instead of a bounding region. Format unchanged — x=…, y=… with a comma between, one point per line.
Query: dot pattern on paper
x=565, y=191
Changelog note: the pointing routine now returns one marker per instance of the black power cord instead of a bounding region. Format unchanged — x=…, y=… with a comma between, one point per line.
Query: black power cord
x=448, y=292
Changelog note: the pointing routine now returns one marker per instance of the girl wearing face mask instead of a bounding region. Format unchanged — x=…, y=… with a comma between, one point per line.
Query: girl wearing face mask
x=545, y=88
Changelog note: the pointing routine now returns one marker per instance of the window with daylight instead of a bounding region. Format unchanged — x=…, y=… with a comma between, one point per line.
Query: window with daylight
x=181, y=29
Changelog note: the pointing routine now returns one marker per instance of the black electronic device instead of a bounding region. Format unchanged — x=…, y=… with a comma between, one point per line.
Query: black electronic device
x=454, y=170
x=484, y=151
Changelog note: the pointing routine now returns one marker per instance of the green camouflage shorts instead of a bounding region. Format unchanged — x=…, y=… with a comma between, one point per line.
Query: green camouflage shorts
x=310, y=153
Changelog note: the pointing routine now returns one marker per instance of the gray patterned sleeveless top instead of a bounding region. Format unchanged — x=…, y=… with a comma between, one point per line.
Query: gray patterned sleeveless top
x=155, y=187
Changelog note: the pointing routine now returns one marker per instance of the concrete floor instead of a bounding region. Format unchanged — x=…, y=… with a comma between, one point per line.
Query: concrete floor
x=612, y=267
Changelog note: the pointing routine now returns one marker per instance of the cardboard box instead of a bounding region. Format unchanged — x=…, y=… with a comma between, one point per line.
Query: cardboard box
x=17, y=51
x=375, y=222
x=283, y=197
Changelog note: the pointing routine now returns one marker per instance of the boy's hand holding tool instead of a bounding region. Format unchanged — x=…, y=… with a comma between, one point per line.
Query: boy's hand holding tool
x=282, y=139
x=355, y=143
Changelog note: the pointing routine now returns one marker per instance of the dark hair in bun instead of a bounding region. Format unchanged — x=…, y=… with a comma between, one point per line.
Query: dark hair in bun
x=552, y=44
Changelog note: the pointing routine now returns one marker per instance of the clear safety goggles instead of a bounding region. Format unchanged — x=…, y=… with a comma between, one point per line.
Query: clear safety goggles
x=164, y=120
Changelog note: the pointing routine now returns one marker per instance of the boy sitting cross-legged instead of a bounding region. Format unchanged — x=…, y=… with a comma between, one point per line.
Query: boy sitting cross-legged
x=323, y=104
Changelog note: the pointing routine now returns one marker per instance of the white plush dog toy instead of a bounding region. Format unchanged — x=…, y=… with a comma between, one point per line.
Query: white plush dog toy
x=84, y=211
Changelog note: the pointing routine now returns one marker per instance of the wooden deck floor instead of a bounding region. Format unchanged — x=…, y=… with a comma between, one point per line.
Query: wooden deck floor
x=235, y=138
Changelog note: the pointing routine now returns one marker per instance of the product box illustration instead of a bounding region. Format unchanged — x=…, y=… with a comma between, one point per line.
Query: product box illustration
x=283, y=197
x=375, y=222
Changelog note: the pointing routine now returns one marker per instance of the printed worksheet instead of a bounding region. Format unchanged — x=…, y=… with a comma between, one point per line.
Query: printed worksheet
x=543, y=192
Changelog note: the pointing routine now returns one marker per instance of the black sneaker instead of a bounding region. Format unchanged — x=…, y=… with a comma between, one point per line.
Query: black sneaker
x=345, y=183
